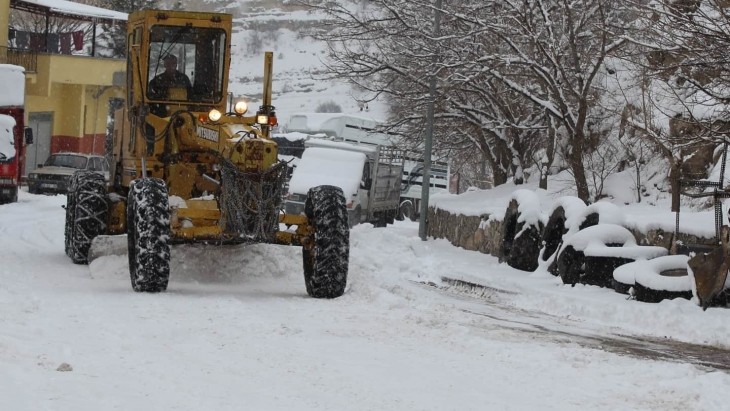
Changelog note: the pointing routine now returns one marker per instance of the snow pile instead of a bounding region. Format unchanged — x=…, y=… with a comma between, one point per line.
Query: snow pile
x=12, y=79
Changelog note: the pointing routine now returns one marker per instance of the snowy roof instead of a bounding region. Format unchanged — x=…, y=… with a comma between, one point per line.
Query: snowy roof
x=325, y=121
x=69, y=8
x=368, y=150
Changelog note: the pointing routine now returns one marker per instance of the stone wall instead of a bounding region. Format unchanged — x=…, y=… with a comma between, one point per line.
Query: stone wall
x=469, y=232
x=484, y=234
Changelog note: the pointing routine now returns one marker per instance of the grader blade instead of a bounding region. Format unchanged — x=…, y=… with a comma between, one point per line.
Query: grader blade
x=106, y=245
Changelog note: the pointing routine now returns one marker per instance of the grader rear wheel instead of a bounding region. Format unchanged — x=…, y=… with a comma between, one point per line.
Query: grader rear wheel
x=326, y=262
x=86, y=211
x=148, y=231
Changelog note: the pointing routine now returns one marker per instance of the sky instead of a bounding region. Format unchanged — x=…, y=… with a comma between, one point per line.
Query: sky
x=423, y=325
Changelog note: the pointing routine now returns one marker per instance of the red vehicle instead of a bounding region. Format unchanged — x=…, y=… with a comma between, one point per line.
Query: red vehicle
x=13, y=134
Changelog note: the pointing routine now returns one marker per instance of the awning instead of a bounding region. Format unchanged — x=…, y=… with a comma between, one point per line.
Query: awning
x=70, y=9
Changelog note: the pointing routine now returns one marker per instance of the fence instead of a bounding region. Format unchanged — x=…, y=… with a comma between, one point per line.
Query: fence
x=27, y=59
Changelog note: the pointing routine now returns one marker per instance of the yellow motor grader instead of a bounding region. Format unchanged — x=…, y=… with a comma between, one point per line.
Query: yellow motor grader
x=185, y=169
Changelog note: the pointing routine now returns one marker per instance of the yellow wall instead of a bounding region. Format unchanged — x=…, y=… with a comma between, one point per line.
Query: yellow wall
x=97, y=107
x=76, y=89
x=83, y=70
x=4, y=21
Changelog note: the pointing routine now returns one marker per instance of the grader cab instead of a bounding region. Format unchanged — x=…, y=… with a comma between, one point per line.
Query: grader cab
x=187, y=169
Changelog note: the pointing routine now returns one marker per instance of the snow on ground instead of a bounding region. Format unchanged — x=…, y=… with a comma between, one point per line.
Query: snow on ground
x=236, y=331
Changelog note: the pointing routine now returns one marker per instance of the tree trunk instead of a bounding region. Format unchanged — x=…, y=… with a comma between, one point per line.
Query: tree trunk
x=674, y=168
x=575, y=159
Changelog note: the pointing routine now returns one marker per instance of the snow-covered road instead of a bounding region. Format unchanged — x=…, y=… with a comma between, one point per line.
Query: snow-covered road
x=236, y=331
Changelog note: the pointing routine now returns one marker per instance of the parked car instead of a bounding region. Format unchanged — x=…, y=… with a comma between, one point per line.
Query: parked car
x=54, y=175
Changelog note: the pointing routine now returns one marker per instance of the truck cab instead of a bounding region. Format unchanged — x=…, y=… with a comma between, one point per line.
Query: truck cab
x=369, y=176
x=14, y=136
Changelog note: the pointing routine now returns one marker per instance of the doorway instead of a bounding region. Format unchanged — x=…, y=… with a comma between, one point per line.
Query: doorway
x=40, y=150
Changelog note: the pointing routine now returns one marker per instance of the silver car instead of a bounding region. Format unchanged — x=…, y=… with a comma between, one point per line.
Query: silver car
x=54, y=175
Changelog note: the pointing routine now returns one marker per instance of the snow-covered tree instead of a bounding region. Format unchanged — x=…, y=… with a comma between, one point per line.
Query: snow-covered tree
x=115, y=35
x=679, y=70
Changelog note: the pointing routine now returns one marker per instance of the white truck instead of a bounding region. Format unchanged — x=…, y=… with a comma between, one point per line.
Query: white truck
x=363, y=130
x=369, y=176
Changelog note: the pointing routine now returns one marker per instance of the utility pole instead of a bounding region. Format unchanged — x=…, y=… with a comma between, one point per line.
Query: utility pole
x=428, y=144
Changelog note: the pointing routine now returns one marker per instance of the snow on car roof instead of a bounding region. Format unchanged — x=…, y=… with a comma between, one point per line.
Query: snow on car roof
x=326, y=166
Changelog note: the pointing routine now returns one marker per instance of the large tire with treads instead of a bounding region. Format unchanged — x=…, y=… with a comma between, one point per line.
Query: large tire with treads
x=86, y=214
x=148, y=233
x=69, y=226
x=326, y=261
x=520, y=246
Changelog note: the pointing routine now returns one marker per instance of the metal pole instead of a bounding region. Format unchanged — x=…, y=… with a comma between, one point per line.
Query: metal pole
x=428, y=143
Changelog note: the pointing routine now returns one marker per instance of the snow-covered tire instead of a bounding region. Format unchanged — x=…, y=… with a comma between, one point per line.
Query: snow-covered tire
x=571, y=258
x=148, y=232
x=519, y=251
x=553, y=233
x=326, y=261
x=599, y=269
x=86, y=214
x=663, y=278
x=570, y=265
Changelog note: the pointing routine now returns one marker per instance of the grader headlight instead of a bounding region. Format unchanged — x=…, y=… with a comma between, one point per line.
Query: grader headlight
x=214, y=115
x=241, y=107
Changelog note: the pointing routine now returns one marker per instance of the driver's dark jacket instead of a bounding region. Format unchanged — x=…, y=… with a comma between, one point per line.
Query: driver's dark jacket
x=161, y=84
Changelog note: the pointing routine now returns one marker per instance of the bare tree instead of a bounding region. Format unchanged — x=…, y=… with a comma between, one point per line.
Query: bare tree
x=553, y=52
x=386, y=48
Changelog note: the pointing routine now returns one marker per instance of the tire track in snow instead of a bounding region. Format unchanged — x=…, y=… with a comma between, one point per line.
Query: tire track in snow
x=566, y=331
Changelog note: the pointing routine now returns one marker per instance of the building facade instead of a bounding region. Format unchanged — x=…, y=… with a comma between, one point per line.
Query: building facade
x=68, y=95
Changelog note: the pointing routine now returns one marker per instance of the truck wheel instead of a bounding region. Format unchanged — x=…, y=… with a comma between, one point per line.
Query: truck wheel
x=14, y=196
x=148, y=229
x=381, y=220
x=326, y=262
x=86, y=212
x=407, y=210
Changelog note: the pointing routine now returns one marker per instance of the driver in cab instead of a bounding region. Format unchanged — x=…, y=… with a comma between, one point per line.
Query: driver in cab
x=159, y=87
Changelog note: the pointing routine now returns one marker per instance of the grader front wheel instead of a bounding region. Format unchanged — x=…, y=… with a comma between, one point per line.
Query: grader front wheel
x=326, y=261
x=148, y=231
x=86, y=210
